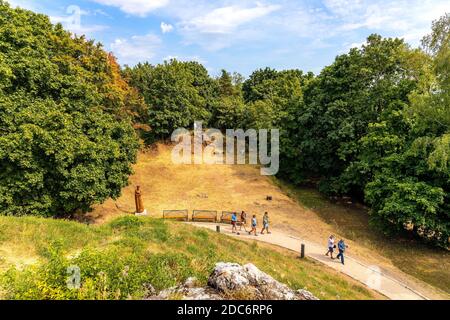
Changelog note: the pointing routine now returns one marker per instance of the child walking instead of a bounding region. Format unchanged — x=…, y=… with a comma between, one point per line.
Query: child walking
x=254, y=224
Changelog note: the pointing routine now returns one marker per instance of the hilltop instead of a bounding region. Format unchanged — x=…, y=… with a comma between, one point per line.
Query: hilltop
x=301, y=212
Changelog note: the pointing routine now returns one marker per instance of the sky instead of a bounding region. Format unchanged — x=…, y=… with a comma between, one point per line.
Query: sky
x=240, y=35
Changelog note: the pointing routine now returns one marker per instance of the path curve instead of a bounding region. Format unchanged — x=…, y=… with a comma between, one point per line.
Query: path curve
x=368, y=275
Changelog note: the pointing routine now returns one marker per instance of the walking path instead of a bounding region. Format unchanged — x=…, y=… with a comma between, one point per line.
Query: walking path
x=368, y=275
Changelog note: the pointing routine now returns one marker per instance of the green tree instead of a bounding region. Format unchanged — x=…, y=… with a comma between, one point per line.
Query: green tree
x=411, y=184
x=176, y=93
x=66, y=142
x=341, y=102
x=228, y=107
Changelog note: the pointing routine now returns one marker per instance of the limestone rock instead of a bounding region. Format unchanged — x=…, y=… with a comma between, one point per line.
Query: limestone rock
x=233, y=281
x=306, y=295
x=229, y=277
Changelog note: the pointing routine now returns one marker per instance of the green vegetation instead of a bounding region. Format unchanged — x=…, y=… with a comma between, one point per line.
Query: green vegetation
x=176, y=93
x=373, y=125
x=406, y=252
x=359, y=132
x=66, y=140
x=118, y=259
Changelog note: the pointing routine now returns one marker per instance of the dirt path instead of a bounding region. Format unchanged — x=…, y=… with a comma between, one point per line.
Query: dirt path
x=368, y=275
x=168, y=186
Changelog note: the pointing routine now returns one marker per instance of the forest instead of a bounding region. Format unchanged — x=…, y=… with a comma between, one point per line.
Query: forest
x=372, y=125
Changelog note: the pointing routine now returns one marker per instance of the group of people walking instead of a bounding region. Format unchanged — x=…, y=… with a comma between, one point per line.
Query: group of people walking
x=341, y=246
x=242, y=222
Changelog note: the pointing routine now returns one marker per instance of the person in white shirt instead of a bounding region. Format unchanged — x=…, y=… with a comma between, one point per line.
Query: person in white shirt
x=254, y=224
x=331, y=246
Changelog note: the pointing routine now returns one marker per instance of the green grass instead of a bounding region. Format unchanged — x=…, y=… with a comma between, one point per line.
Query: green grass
x=118, y=259
x=427, y=263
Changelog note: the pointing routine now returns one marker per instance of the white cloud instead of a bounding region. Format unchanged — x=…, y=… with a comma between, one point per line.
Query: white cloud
x=344, y=7
x=166, y=27
x=101, y=13
x=227, y=19
x=25, y=4
x=351, y=21
x=73, y=21
x=217, y=25
x=347, y=46
x=386, y=15
x=135, y=7
x=136, y=49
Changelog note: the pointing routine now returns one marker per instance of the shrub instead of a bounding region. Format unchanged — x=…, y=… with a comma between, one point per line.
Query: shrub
x=66, y=136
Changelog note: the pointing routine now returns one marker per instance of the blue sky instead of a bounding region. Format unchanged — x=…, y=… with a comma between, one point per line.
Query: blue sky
x=240, y=35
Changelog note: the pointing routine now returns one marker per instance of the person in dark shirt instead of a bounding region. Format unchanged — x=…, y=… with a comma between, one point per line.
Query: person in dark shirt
x=341, y=247
x=243, y=221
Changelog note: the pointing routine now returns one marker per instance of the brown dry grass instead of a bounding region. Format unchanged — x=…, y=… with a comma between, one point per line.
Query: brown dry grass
x=167, y=186
x=407, y=253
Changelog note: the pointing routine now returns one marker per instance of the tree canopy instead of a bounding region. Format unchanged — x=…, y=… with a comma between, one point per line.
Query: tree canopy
x=373, y=125
x=176, y=93
x=66, y=140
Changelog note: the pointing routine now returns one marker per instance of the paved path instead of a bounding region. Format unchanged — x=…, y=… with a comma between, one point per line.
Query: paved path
x=368, y=275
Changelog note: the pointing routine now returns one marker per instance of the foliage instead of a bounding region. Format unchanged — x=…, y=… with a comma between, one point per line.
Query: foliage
x=66, y=138
x=228, y=110
x=176, y=93
x=120, y=259
x=410, y=189
x=373, y=125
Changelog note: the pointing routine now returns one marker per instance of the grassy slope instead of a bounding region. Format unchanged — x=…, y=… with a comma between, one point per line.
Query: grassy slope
x=294, y=211
x=147, y=250
x=424, y=262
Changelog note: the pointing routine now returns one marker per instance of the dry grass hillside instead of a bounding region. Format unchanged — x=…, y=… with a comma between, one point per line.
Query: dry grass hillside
x=167, y=186
x=118, y=260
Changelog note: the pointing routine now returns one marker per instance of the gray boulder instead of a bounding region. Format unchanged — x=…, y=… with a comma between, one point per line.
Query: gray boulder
x=232, y=277
x=233, y=281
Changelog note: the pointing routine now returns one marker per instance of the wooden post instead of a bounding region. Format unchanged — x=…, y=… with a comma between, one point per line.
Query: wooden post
x=302, y=251
x=218, y=229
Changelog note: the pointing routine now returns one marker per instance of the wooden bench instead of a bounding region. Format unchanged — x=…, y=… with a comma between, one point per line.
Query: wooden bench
x=226, y=217
x=204, y=216
x=179, y=215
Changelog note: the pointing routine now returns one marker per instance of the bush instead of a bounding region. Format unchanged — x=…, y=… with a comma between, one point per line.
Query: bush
x=108, y=275
x=66, y=136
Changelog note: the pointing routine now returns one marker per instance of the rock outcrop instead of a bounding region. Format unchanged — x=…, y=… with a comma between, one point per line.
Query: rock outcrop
x=233, y=281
